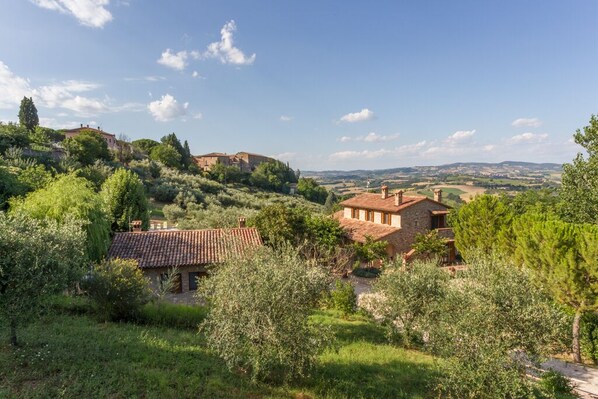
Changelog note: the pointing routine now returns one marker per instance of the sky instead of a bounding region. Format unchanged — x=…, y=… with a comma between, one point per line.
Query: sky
x=336, y=84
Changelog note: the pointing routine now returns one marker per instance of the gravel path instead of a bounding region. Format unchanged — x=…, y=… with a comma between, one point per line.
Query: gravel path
x=584, y=378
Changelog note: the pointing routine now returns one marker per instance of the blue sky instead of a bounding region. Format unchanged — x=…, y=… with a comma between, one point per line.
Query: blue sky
x=323, y=85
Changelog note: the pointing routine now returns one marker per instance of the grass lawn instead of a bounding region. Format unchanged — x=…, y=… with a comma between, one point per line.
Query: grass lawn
x=72, y=356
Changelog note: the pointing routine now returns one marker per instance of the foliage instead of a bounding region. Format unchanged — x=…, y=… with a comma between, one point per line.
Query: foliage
x=28, y=114
x=211, y=217
x=45, y=136
x=324, y=231
x=343, y=297
x=12, y=135
x=166, y=314
x=96, y=173
x=144, y=145
x=10, y=185
x=579, y=190
x=366, y=272
x=481, y=225
x=146, y=169
x=35, y=177
x=124, y=199
x=227, y=174
x=554, y=383
x=408, y=300
x=430, y=245
x=71, y=197
x=311, y=191
x=564, y=258
x=87, y=147
x=183, y=150
x=259, y=308
x=493, y=312
x=534, y=201
x=167, y=155
x=273, y=175
x=39, y=258
x=118, y=289
x=277, y=223
x=331, y=201
x=589, y=336
x=370, y=250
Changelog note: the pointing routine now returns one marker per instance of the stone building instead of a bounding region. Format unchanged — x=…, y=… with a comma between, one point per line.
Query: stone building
x=245, y=161
x=108, y=137
x=192, y=252
x=396, y=219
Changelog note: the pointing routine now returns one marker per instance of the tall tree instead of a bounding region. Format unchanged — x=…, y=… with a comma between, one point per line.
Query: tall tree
x=87, y=147
x=481, y=225
x=124, y=199
x=28, y=114
x=39, y=258
x=166, y=154
x=579, y=191
x=71, y=197
x=564, y=257
x=185, y=156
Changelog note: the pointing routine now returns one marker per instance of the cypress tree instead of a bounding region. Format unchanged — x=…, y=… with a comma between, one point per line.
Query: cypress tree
x=28, y=114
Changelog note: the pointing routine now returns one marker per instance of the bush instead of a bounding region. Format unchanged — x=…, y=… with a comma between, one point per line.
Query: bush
x=343, y=297
x=554, y=383
x=166, y=314
x=367, y=272
x=259, y=310
x=589, y=336
x=117, y=289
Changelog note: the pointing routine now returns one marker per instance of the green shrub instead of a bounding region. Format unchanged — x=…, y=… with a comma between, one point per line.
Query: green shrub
x=367, y=272
x=117, y=289
x=166, y=314
x=69, y=304
x=554, y=383
x=589, y=336
x=259, y=311
x=343, y=297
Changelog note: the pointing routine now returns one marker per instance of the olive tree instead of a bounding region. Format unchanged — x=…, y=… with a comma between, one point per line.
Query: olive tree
x=258, y=313
x=38, y=258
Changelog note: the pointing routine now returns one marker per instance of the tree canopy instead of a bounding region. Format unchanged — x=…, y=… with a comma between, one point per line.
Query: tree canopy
x=87, y=147
x=166, y=154
x=124, y=199
x=273, y=175
x=311, y=190
x=28, y=114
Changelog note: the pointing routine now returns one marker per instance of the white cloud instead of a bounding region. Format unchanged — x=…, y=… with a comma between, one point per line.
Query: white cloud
x=198, y=115
x=92, y=13
x=285, y=118
x=527, y=122
x=12, y=88
x=528, y=138
x=195, y=74
x=167, y=108
x=408, y=150
x=371, y=137
x=460, y=136
x=172, y=60
x=363, y=115
x=285, y=156
x=225, y=49
x=146, y=78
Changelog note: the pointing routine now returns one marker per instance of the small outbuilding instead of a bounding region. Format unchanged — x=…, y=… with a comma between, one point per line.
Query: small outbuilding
x=190, y=251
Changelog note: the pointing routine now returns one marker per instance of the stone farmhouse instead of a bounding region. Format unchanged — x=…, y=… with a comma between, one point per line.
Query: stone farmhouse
x=108, y=137
x=192, y=252
x=396, y=219
x=245, y=161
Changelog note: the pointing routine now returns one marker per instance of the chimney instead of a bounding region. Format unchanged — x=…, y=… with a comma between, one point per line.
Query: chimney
x=438, y=195
x=384, y=192
x=99, y=128
x=87, y=125
x=399, y=198
x=136, y=226
x=81, y=125
x=242, y=221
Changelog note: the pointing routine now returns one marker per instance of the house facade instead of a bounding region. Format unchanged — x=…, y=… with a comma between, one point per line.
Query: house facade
x=108, y=137
x=245, y=161
x=192, y=252
x=396, y=219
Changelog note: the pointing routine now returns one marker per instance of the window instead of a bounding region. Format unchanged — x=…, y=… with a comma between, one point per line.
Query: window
x=355, y=213
x=386, y=218
x=193, y=277
x=369, y=216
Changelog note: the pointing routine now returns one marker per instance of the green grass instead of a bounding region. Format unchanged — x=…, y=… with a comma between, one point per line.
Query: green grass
x=73, y=356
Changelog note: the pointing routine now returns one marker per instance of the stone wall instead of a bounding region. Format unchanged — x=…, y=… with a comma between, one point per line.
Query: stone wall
x=154, y=275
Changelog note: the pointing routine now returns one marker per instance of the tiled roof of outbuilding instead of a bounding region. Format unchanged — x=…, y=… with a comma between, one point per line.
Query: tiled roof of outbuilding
x=357, y=230
x=183, y=247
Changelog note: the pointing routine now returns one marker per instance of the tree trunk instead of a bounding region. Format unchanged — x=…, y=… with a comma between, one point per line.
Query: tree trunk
x=576, y=347
x=13, y=333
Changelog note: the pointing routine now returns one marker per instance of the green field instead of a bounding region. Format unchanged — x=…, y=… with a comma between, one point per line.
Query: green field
x=71, y=356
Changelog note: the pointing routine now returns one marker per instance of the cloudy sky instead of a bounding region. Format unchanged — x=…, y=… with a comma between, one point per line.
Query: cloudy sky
x=336, y=84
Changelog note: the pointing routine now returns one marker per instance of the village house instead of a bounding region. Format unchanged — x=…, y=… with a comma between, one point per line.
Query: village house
x=108, y=137
x=396, y=219
x=245, y=161
x=192, y=252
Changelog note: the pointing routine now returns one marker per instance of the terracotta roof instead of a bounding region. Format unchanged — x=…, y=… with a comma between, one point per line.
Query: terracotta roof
x=375, y=201
x=93, y=129
x=357, y=230
x=213, y=154
x=182, y=247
